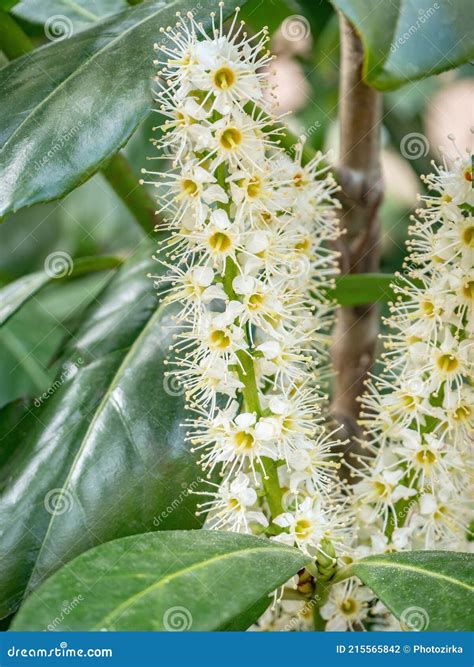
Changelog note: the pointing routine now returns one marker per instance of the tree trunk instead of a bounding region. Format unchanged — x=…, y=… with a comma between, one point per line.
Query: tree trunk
x=359, y=174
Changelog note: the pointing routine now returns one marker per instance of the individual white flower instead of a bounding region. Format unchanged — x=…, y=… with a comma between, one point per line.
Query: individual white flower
x=218, y=240
x=258, y=192
x=191, y=187
x=217, y=337
x=225, y=71
x=454, y=184
x=233, y=506
x=306, y=526
x=207, y=380
x=383, y=490
x=315, y=465
x=182, y=129
x=283, y=363
x=237, y=142
x=347, y=606
x=442, y=520
x=191, y=287
x=240, y=443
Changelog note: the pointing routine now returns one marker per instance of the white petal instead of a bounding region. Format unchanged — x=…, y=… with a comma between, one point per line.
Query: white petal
x=244, y=284
x=220, y=219
x=245, y=419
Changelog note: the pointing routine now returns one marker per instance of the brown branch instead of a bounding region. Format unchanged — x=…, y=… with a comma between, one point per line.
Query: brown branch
x=359, y=174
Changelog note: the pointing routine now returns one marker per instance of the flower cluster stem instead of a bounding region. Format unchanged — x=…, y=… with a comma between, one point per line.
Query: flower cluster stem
x=246, y=372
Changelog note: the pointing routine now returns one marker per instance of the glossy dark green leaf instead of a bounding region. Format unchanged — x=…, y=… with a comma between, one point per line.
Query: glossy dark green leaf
x=18, y=292
x=358, y=289
x=406, y=40
x=59, y=15
x=177, y=580
x=69, y=106
x=104, y=446
x=248, y=616
x=32, y=337
x=7, y=4
x=27, y=344
x=426, y=590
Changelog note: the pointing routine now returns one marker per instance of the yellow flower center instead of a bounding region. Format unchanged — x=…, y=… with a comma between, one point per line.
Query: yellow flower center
x=381, y=489
x=219, y=340
x=194, y=290
x=447, y=363
x=348, y=606
x=298, y=179
x=468, y=289
x=427, y=308
x=303, y=246
x=462, y=413
x=244, y=441
x=231, y=138
x=253, y=187
x=255, y=301
x=468, y=236
x=189, y=187
x=303, y=529
x=220, y=242
x=425, y=457
x=288, y=424
x=224, y=78
x=234, y=504
x=409, y=402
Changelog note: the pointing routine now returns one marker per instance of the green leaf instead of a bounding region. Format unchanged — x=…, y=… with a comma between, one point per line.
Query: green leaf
x=256, y=14
x=105, y=444
x=31, y=337
x=246, y=618
x=406, y=40
x=426, y=590
x=7, y=4
x=356, y=289
x=177, y=580
x=81, y=13
x=16, y=293
x=27, y=344
x=69, y=106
